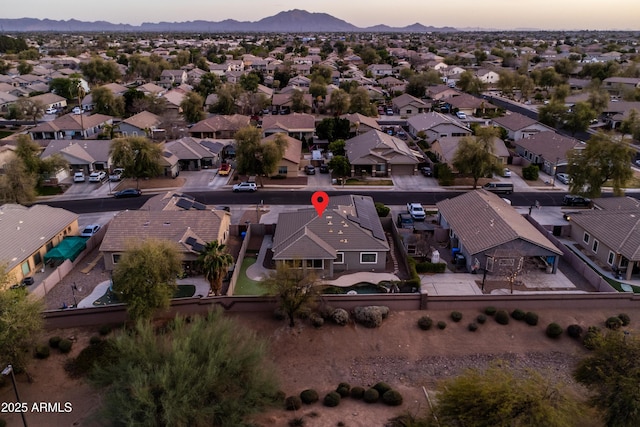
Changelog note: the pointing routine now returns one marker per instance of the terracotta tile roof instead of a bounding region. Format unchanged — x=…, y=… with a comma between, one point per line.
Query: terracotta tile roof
x=143, y=120
x=293, y=151
x=290, y=122
x=220, y=123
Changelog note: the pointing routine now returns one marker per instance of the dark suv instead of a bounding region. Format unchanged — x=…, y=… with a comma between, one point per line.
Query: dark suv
x=574, y=200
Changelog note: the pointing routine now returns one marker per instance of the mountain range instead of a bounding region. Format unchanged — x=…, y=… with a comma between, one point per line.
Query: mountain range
x=291, y=21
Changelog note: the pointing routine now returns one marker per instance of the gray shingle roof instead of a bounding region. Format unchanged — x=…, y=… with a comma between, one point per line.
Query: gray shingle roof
x=482, y=220
x=374, y=146
x=514, y=121
x=616, y=229
x=549, y=145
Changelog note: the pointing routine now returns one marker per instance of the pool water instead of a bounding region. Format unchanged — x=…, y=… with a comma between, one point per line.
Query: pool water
x=359, y=288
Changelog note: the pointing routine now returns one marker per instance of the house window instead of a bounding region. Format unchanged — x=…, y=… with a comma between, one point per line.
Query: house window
x=594, y=248
x=26, y=268
x=368, y=258
x=586, y=237
x=408, y=111
x=49, y=246
x=115, y=258
x=282, y=170
x=611, y=258
x=314, y=263
x=37, y=258
x=339, y=258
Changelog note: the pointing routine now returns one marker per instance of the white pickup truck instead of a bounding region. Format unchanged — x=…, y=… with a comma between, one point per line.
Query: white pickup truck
x=416, y=211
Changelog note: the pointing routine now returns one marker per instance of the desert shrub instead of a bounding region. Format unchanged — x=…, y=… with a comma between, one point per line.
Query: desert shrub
x=481, y=318
x=490, y=311
x=309, y=396
x=614, y=323
x=625, y=319
x=392, y=398
x=591, y=338
x=502, y=317
x=517, y=314
x=415, y=278
x=279, y=314
x=316, y=320
x=554, y=330
x=425, y=323
x=574, y=331
x=293, y=403
x=382, y=387
x=104, y=330
x=357, y=392
x=326, y=311
x=382, y=209
x=94, y=340
x=456, y=316
x=472, y=327
x=65, y=345
x=431, y=267
x=42, y=352
x=343, y=389
x=332, y=399
x=531, y=318
x=531, y=172
x=442, y=324
x=340, y=316
x=90, y=356
x=371, y=395
x=54, y=341
x=371, y=316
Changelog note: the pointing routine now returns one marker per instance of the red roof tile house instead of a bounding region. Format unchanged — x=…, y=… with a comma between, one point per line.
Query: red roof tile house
x=219, y=127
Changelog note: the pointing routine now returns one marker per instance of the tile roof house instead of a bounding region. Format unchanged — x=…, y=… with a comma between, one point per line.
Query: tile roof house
x=445, y=149
x=87, y=156
x=189, y=230
x=143, y=123
x=191, y=155
x=360, y=123
x=347, y=237
x=170, y=78
x=28, y=233
x=407, y=105
x=219, y=127
x=519, y=126
x=470, y=105
x=376, y=153
x=548, y=150
x=484, y=228
x=289, y=165
x=296, y=125
x=436, y=125
x=50, y=100
x=71, y=126
x=611, y=233
x=440, y=92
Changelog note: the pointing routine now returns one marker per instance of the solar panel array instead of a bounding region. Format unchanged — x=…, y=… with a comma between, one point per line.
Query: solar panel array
x=367, y=216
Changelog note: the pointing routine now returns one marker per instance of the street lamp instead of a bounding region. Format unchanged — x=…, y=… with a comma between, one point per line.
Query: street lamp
x=9, y=371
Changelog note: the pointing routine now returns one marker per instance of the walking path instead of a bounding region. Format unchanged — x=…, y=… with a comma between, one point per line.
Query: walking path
x=256, y=271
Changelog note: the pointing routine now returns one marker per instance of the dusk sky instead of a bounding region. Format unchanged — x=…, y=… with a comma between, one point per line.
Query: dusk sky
x=500, y=14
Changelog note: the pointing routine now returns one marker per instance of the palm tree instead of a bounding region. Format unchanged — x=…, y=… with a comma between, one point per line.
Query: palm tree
x=215, y=262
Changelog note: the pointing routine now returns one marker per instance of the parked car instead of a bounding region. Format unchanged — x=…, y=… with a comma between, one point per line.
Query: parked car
x=97, y=176
x=405, y=220
x=324, y=168
x=426, y=171
x=225, y=169
x=416, y=211
x=116, y=175
x=78, y=177
x=50, y=110
x=563, y=178
x=499, y=187
x=128, y=192
x=506, y=173
x=245, y=186
x=461, y=115
x=76, y=110
x=90, y=230
x=575, y=200
x=310, y=170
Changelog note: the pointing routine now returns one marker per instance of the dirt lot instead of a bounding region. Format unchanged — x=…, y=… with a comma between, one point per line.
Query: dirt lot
x=398, y=352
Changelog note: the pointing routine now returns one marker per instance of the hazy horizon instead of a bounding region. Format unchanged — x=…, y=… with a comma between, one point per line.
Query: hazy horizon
x=495, y=14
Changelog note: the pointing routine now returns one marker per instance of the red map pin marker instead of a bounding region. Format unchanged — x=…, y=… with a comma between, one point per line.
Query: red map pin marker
x=320, y=200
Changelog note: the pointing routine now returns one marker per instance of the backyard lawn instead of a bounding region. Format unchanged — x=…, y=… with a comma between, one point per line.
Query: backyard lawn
x=246, y=286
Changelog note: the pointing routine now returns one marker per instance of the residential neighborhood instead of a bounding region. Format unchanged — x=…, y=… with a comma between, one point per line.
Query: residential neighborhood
x=157, y=175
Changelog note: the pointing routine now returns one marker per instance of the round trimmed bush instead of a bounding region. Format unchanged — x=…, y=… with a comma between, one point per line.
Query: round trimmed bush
x=591, y=338
x=456, y=316
x=340, y=316
x=54, y=341
x=104, y=330
x=382, y=387
x=332, y=399
x=502, y=317
x=554, y=330
x=309, y=396
x=65, y=345
x=293, y=403
x=614, y=323
x=481, y=318
x=343, y=389
x=42, y=352
x=574, y=331
x=625, y=319
x=392, y=398
x=531, y=318
x=425, y=323
x=442, y=324
x=517, y=314
x=95, y=340
x=490, y=311
x=371, y=395
x=472, y=327
x=357, y=392
x=316, y=320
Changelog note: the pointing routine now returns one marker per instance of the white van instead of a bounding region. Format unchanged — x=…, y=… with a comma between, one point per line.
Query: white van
x=499, y=187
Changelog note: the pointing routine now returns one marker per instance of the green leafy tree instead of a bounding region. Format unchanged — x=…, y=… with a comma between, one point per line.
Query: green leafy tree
x=99, y=71
x=145, y=277
x=298, y=102
x=294, y=288
x=318, y=90
x=552, y=114
x=579, y=118
x=24, y=68
x=255, y=157
x=139, y=157
x=469, y=83
x=192, y=107
x=20, y=323
x=474, y=157
x=209, y=371
x=598, y=99
x=525, y=85
x=62, y=86
x=631, y=125
x=561, y=92
x=29, y=151
x=107, y=103
x=215, y=262
x=331, y=129
x=250, y=82
x=17, y=185
x=500, y=397
x=340, y=166
x=605, y=157
x=612, y=374
x=360, y=102
x=228, y=95
x=207, y=85
x=507, y=82
x=337, y=147
x=339, y=102
x=26, y=108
